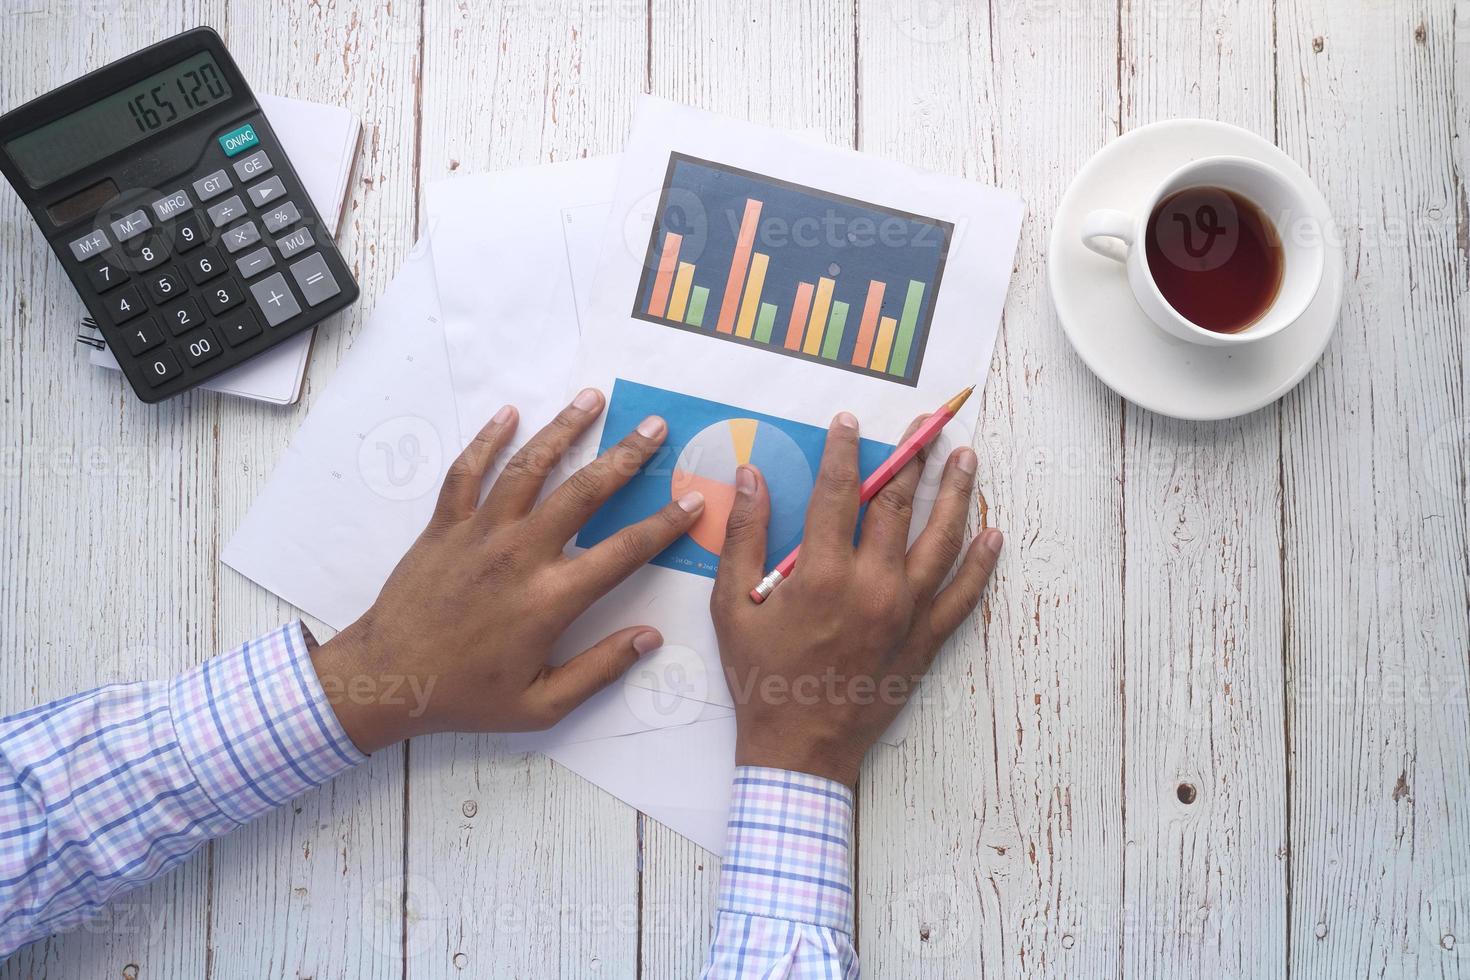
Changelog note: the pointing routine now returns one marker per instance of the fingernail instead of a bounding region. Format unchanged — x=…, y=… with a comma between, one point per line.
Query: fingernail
x=691, y=501
x=651, y=427
x=503, y=416
x=991, y=540
x=845, y=419
x=965, y=461
x=647, y=642
x=587, y=399
x=744, y=480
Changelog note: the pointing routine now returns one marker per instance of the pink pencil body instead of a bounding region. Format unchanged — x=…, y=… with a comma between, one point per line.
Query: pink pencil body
x=877, y=480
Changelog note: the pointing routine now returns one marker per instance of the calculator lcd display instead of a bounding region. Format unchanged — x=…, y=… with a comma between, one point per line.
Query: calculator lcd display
x=81, y=138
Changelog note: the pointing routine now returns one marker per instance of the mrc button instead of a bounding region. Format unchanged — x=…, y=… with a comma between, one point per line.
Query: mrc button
x=239, y=140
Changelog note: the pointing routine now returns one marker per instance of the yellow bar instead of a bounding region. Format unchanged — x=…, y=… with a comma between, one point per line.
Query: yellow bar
x=886, y=327
x=752, y=300
x=818, y=323
x=682, y=282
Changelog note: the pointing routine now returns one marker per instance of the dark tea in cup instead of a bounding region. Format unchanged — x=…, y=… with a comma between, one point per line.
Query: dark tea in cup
x=1215, y=256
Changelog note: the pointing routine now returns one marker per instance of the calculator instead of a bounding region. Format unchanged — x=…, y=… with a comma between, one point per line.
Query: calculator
x=176, y=212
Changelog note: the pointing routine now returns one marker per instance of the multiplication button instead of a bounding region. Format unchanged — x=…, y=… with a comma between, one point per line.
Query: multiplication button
x=274, y=298
x=240, y=237
x=315, y=279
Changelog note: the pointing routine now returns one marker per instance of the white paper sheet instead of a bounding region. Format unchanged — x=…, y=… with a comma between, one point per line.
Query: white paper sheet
x=616, y=345
x=322, y=143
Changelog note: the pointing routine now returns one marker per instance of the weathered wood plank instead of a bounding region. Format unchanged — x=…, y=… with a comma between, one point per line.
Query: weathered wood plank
x=789, y=65
x=991, y=840
x=316, y=888
x=1374, y=476
x=87, y=469
x=1204, y=880
x=545, y=865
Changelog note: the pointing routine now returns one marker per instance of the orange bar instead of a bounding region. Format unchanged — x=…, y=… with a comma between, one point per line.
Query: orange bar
x=738, y=265
x=798, y=315
x=885, y=344
x=753, y=289
x=864, y=348
x=658, y=300
x=819, y=315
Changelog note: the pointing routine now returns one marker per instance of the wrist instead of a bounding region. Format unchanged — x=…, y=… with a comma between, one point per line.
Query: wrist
x=773, y=747
x=345, y=668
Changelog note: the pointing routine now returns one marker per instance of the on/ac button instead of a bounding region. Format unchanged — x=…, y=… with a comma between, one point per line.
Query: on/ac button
x=239, y=140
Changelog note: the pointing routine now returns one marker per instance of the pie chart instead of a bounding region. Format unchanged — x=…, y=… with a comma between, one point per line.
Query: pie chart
x=707, y=464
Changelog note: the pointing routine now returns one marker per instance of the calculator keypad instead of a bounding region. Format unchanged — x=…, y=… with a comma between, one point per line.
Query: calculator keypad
x=205, y=272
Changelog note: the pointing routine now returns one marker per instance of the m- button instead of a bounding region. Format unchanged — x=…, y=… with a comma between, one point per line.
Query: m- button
x=274, y=298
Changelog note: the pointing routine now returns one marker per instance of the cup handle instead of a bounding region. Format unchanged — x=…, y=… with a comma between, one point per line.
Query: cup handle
x=1109, y=234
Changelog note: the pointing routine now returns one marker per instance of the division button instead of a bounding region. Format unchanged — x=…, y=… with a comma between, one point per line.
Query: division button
x=315, y=279
x=274, y=298
x=226, y=211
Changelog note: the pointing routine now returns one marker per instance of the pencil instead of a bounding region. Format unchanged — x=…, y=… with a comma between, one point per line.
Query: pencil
x=926, y=433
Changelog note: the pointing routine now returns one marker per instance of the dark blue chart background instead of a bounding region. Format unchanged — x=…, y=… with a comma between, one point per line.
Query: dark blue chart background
x=808, y=234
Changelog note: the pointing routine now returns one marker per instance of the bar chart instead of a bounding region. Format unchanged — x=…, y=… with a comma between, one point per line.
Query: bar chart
x=793, y=269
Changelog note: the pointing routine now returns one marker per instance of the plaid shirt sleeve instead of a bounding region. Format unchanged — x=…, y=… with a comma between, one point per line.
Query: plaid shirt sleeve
x=785, y=902
x=104, y=791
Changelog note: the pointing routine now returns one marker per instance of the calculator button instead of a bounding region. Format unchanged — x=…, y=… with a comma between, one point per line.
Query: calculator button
x=145, y=253
x=204, y=265
x=130, y=226
x=142, y=335
x=241, y=236
x=183, y=316
x=255, y=263
x=298, y=241
x=274, y=298
x=226, y=211
x=239, y=140
x=171, y=205
x=253, y=166
x=189, y=232
x=220, y=296
x=199, y=346
x=266, y=191
x=212, y=186
x=106, y=273
x=124, y=304
x=162, y=366
x=315, y=279
x=281, y=216
x=165, y=284
x=89, y=244
x=239, y=326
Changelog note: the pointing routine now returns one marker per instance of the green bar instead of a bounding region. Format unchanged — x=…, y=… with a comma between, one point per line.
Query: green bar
x=899, y=363
x=832, y=340
x=694, y=316
x=764, y=322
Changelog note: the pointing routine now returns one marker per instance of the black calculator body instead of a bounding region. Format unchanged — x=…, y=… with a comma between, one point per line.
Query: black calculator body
x=176, y=212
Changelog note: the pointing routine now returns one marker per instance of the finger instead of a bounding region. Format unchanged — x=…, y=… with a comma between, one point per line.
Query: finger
x=615, y=558
x=561, y=689
x=886, y=523
x=936, y=549
x=743, y=555
x=515, y=493
x=572, y=503
x=461, y=490
x=831, y=517
x=960, y=596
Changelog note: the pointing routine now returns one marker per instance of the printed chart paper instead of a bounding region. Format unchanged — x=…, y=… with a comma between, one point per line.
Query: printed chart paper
x=751, y=285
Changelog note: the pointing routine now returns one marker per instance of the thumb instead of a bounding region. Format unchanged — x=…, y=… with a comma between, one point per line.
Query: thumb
x=743, y=556
x=562, y=689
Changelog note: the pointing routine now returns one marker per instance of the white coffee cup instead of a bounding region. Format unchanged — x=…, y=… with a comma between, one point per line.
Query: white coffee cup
x=1121, y=237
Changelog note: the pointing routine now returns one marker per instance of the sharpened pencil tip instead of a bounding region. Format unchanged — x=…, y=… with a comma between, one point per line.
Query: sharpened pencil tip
x=954, y=403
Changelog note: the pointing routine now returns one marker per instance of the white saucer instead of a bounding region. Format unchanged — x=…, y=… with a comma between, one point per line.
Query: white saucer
x=1127, y=350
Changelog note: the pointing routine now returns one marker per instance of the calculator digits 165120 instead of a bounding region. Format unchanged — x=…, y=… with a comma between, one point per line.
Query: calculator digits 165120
x=175, y=211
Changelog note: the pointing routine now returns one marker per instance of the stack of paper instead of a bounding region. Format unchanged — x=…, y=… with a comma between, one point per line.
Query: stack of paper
x=742, y=282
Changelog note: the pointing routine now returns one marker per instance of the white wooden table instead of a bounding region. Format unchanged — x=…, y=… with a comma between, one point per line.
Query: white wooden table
x=1212, y=720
